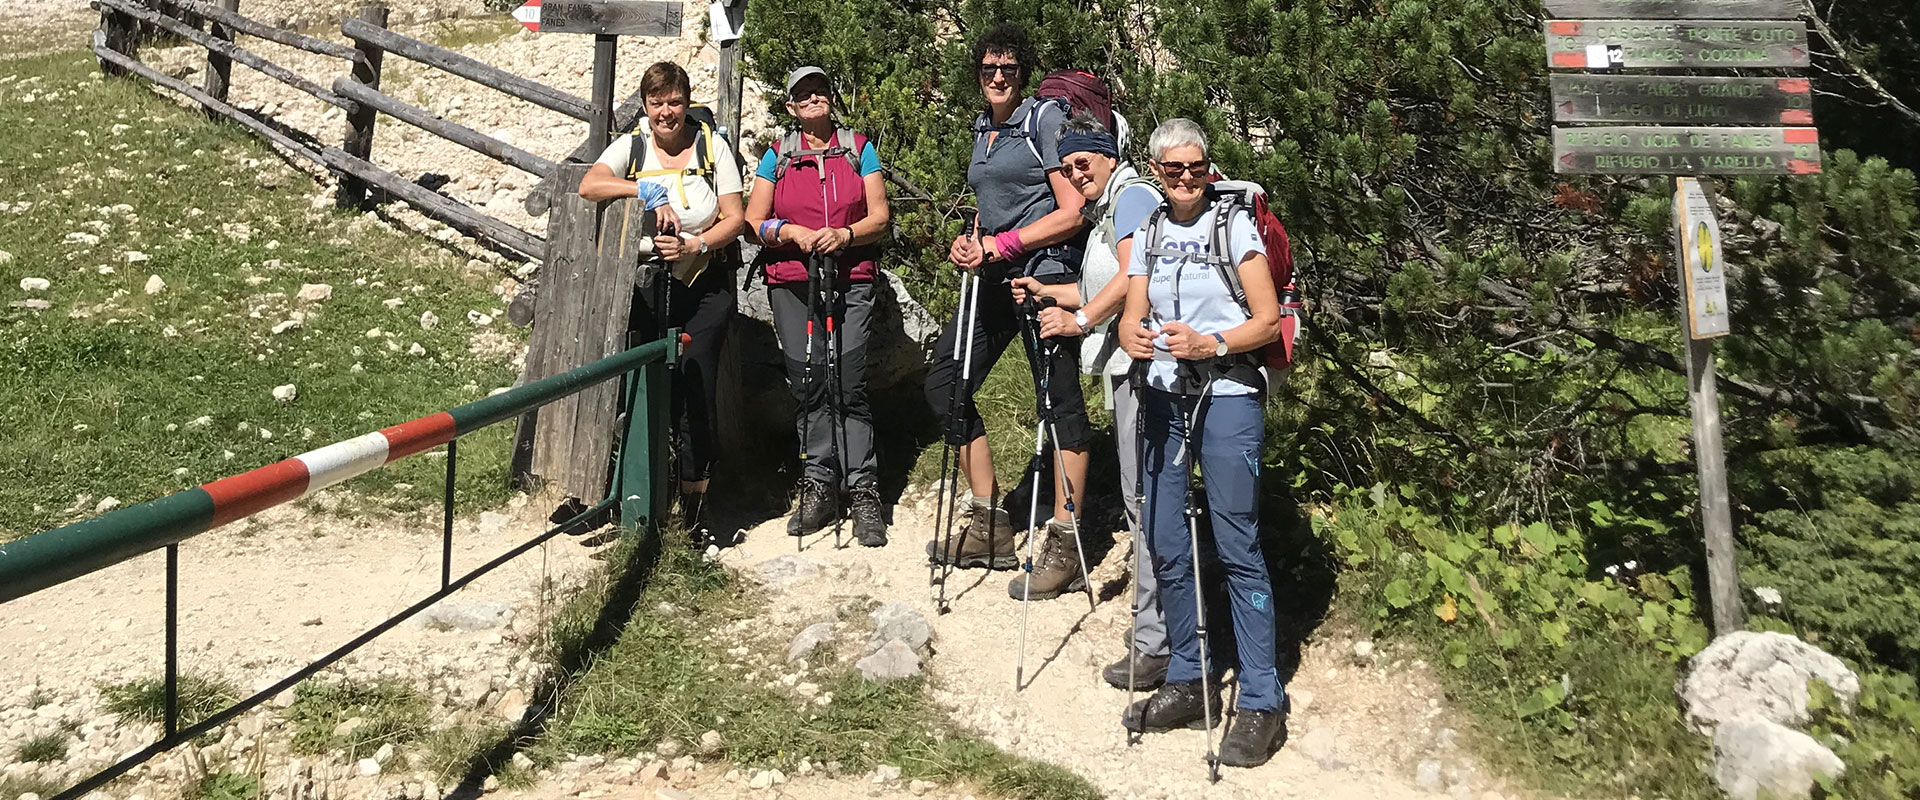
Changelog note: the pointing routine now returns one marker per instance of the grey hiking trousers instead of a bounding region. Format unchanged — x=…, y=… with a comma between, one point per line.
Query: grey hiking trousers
x=1149, y=625
x=853, y=314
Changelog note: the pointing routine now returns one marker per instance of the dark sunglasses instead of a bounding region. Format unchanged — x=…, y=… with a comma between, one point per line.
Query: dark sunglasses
x=1175, y=169
x=801, y=95
x=1083, y=164
x=1012, y=71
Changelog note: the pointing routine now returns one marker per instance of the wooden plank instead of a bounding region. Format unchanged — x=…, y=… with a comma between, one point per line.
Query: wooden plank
x=1710, y=453
x=606, y=49
x=615, y=17
x=1674, y=100
x=228, y=49
x=1616, y=150
x=1671, y=44
x=491, y=77
x=586, y=291
x=450, y=131
x=1673, y=9
x=260, y=30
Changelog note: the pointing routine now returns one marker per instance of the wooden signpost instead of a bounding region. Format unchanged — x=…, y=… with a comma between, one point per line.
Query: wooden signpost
x=1714, y=44
x=1687, y=126
x=1679, y=100
x=610, y=17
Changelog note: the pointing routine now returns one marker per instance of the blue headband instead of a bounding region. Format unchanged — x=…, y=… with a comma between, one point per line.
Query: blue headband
x=1097, y=142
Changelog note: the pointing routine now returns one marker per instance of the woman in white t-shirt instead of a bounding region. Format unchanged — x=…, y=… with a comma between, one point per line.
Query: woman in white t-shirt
x=1193, y=413
x=701, y=217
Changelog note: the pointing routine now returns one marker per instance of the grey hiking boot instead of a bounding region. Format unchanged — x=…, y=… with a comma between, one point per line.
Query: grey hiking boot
x=1058, y=572
x=1147, y=672
x=985, y=539
x=817, y=508
x=869, y=524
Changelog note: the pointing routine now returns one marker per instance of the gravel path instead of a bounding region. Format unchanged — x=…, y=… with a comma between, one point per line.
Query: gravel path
x=1362, y=728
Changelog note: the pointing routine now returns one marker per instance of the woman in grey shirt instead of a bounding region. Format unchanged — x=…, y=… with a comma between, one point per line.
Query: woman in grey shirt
x=1029, y=225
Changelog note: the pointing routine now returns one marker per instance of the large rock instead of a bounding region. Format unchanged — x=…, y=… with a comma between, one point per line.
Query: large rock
x=1755, y=758
x=1760, y=674
x=809, y=640
x=480, y=616
x=780, y=572
x=891, y=662
x=897, y=621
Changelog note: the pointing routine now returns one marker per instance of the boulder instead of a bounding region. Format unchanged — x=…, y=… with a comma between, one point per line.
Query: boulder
x=783, y=571
x=891, y=662
x=1755, y=757
x=809, y=640
x=897, y=621
x=1760, y=674
x=479, y=616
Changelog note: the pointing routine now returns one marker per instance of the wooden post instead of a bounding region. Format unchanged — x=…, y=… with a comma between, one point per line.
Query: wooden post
x=1716, y=517
x=117, y=32
x=359, y=142
x=600, y=128
x=220, y=67
x=732, y=81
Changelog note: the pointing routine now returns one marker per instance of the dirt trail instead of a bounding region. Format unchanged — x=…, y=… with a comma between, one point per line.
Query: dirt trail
x=1364, y=730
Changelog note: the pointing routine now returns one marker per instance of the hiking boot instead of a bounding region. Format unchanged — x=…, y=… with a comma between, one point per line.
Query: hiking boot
x=1059, y=569
x=1176, y=705
x=985, y=539
x=1148, y=671
x=1254, y=737
x=817, y=508
x=869, y=523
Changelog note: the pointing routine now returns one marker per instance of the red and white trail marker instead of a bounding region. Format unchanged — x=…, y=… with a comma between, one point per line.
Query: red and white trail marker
x=528, y=15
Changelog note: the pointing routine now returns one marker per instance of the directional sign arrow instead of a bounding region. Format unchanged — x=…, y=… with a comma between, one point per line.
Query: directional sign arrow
x=528, y=15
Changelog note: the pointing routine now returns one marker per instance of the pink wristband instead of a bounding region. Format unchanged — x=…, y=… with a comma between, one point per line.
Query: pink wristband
x=1009, y=244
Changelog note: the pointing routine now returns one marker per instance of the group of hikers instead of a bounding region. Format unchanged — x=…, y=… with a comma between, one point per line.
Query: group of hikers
x=1158, y=284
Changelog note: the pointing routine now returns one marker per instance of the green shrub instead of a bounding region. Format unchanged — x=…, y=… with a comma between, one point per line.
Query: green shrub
x=46, y=747
x=389, y=712
x=146, y=700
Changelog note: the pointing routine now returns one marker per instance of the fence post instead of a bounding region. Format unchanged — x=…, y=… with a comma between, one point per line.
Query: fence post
x=643, y=475
x=117, y=32
x=219, y=67
x=359, y=142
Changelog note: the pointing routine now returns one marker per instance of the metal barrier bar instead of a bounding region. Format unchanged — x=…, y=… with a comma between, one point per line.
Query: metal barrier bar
x=36, y=562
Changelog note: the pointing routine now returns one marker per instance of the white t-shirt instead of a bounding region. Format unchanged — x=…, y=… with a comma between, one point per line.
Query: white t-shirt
x=697, y=202
x=1188, y=290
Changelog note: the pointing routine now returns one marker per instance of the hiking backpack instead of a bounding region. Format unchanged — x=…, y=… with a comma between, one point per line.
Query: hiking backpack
x=1230, y=197
x=845, y=144
x=1070, y=90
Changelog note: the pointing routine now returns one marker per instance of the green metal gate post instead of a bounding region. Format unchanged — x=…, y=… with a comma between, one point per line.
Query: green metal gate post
x=643, y=474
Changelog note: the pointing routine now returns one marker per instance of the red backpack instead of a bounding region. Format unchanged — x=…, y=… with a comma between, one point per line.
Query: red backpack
x=1072, y=90
x=1233, y=196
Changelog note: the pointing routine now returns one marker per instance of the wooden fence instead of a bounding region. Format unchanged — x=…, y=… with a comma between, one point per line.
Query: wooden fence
x=214, y=28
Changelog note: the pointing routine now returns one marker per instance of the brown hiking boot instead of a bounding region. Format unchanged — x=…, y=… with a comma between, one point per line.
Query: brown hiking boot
x=985, y=539
x=1058, y=572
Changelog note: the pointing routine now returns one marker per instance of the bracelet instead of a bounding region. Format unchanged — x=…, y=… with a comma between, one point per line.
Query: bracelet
x=850, y=234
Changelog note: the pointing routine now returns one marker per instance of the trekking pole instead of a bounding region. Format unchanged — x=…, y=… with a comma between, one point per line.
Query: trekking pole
x=836, y=402
x=1187, y=456
x=969, y=317
x=806, y=386
x=1029, y=336
x=1060, y=456
x=1138, y=378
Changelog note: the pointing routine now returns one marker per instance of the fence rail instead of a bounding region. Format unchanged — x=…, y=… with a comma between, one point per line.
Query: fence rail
x=357, y=93
x=638, y=491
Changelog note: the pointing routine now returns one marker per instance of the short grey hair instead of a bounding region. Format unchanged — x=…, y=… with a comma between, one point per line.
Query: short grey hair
x=1176, y=132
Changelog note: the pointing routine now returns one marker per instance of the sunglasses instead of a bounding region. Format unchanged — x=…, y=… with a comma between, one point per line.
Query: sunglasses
x=1081, y=165
x=1175, y=169
x=1012, y=71
x=803, y=95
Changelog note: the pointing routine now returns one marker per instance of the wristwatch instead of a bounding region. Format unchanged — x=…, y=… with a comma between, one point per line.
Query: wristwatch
x=1220, y=350
x=1080, y=319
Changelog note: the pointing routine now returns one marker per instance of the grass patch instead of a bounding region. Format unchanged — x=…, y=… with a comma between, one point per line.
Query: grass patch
x=43, y=749
x=449, y=751
x=227, y=786
x=665, y=677
x=146, y=700
x=107, y=370
x=389, y=712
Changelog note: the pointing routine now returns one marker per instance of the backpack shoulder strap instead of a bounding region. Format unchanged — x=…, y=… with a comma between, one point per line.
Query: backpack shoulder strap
x=1228, y=206
x=703, y=151
x=851, y=144
x=637, y=152
x=784, y=152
